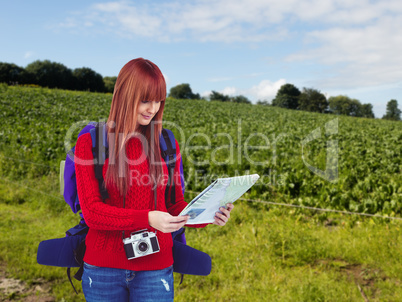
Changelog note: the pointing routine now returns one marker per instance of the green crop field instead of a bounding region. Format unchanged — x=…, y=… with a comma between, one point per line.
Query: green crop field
x=267, y=252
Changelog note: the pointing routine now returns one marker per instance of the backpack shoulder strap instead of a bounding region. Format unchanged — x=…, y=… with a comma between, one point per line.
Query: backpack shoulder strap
x=169, y=137
x=168, y=145
x=68, y=177
x=168, y=151
x=100, y=150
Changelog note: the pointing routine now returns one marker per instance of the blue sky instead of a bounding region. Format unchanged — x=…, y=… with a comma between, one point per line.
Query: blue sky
x=235, y=47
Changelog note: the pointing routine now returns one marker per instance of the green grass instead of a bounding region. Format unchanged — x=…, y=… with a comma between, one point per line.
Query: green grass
x=218, y=139
x=283, y=255
x=268, y=253
x=264, y=253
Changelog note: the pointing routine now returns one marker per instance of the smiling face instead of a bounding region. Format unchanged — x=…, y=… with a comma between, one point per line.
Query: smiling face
x=146, y=111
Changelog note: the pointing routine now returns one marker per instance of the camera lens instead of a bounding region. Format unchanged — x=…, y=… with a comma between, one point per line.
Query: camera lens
x=142, y=247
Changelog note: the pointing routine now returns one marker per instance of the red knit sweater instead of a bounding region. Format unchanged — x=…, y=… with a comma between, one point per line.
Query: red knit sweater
x=106, y=220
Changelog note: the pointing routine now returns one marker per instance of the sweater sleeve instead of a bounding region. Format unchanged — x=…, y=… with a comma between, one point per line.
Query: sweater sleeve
x=97, y=214
x=175, y=208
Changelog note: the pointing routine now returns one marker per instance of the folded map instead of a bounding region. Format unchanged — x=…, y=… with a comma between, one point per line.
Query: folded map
x=202, y=208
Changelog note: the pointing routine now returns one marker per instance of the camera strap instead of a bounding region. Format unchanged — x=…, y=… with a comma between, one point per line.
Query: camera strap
x=124, y=205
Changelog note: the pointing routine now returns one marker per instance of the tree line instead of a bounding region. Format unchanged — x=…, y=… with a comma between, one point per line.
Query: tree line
x=55, y=75
x=183, y=91
x=309, y=99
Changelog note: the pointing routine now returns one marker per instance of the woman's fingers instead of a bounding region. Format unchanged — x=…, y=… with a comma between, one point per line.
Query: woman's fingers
x=222, y=218
x=179, y=219
x=176, y=224
x=165, y=222
x=229, y=206
x=173, y=223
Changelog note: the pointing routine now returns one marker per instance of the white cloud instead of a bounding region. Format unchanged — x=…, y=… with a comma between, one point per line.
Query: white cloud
x=359, y=41
x=206, y=94
x=266, y=90
x=230, y=91
x=71, y=22
x=364, y=56
x=222, y=21
x=124, y=17
x=228, y=20
x=28, y=54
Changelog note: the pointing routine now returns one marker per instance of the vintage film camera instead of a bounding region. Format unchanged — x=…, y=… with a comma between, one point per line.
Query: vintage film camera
x=141, y=243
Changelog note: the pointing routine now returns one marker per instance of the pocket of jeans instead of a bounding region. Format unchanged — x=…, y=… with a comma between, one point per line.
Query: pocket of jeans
x=169, y=269
x=90, y=266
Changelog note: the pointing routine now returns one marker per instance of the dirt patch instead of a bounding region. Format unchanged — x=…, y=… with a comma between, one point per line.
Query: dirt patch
x=364, y=277
x=9, y=286
x=16, y=290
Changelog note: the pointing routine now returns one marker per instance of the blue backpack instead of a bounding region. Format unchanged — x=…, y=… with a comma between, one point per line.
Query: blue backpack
x=69, y=251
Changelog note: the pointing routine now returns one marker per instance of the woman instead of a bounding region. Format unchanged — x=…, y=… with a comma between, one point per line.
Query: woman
x=134, y=174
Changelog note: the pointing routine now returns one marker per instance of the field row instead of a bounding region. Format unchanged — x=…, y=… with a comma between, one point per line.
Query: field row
x=303, y=158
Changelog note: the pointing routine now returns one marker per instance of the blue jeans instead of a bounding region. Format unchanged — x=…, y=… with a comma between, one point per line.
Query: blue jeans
x=113, y=284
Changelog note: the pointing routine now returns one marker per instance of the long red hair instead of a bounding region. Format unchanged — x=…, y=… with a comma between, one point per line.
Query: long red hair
x=138, y=80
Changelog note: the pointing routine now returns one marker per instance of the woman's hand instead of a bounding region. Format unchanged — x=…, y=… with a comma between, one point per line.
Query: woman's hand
x=221, y=219
x=165, y=222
